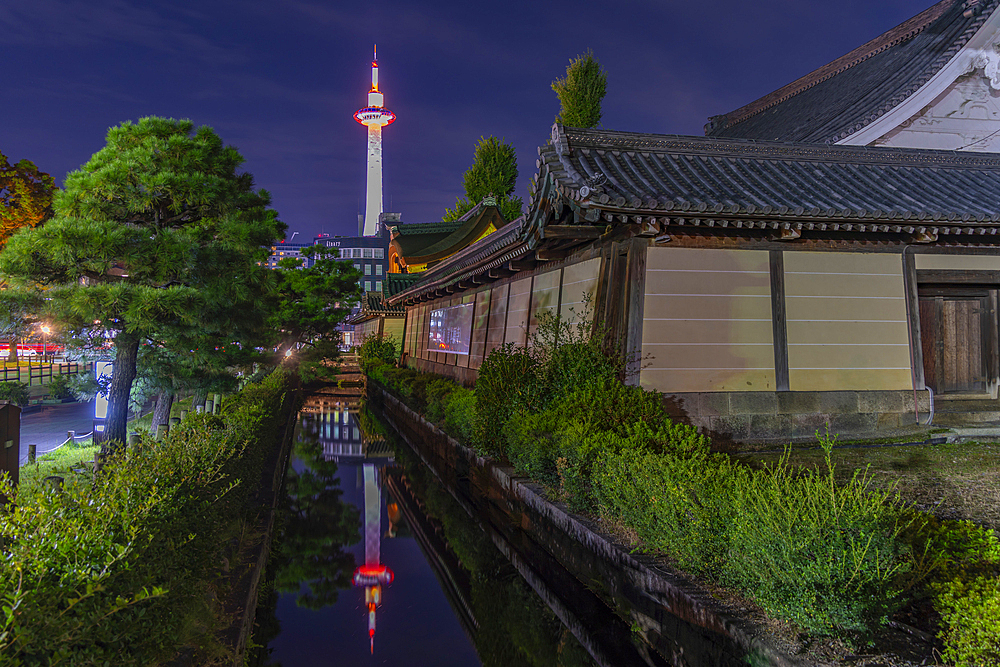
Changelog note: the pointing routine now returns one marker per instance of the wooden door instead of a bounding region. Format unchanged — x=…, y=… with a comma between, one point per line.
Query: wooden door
x=956, y=338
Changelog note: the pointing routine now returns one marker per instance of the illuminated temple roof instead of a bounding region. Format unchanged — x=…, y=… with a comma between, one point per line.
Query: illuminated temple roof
x=419, y=246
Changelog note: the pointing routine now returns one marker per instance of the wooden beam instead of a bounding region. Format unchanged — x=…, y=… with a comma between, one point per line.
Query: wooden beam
x=571, y=232
x=521, y=264
x=635, y=295
x=498, y=273
x=779, y=323
x=550, y=254
x=958, y=276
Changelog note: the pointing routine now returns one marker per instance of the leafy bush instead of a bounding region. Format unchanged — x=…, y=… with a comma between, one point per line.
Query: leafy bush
x=114, y=571
x=826, y=556
x=507, y=383
x=58, y=387
x=378, y=348
x=460, y=414
x=970, y=610
x=15, y=392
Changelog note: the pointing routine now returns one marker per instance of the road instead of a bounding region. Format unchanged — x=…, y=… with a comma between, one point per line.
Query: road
x=47, y=428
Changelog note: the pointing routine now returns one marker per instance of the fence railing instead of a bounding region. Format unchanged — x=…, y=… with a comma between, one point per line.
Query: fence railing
x=41, y=370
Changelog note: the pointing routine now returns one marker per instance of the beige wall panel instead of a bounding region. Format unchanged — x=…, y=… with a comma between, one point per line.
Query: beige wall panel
x=833, y=332
x=498, y=318
x=958, y=262
x=850, y=286
x=846, y=322
x=701, y=380
x=849, y=357
x=480, y=328
x=463, y=359
x=684, y=331
x=394, y=327
x=841, y=379
x=697, y=259
x=706, y=308
x=844, y=309
x=578, y=289
x=707, y=321
x=517, y=312
x=721, y=357
x=544, y=297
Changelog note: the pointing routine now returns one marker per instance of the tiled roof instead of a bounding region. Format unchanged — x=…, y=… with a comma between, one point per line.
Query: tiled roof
x=430, y=242
x=840, y=98
x=670, y=175
x=374, y=304
x=395, y=283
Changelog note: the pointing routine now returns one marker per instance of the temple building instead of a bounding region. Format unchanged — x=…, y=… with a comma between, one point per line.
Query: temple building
x=826, y=257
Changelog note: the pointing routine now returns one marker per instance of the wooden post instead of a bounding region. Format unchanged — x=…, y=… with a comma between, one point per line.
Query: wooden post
x=174, y=421
x=10, y=441
x=133, y=439
x=634, y=303
x=184, y=414
x=161, y=432
x=209, y=406
x=32, y=450
x=218, y=403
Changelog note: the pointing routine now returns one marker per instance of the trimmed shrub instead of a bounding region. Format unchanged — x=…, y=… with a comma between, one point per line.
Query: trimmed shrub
x=507, y=383
x=378, y=348
x=58, y=387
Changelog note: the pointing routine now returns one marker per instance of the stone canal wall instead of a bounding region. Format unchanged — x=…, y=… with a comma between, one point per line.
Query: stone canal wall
x=679, y=619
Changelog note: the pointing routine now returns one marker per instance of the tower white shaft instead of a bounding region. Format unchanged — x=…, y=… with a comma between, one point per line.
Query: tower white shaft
x=374, y=116
x=373, y=202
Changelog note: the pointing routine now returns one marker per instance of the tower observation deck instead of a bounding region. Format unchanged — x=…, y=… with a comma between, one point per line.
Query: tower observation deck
x=374, y=116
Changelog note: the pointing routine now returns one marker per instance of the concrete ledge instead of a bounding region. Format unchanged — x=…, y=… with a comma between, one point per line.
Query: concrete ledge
x=761, y=416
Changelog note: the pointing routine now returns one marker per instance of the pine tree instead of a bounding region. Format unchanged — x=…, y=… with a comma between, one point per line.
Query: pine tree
x=157, y=234
x=493, y=172
x=581, y=91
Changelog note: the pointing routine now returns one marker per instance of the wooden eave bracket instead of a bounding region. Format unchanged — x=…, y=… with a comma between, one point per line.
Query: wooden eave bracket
x=571, y=232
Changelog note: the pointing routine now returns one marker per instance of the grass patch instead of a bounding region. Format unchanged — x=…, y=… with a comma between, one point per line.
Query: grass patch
x=60, y=462
x=953, y=481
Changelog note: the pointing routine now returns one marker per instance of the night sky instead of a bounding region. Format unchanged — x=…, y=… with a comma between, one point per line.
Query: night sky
x=281, y=80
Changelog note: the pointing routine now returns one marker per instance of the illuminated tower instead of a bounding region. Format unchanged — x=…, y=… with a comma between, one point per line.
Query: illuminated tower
x=372, y=575
x=374, y=117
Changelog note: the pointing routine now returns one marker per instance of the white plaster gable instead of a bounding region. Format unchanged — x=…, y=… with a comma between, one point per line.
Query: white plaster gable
x=957, y=109
x=966, y=116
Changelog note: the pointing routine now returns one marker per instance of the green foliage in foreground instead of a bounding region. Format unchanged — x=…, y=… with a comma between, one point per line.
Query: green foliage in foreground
x=14, y=392
x=378, y=349
x=121, y=570
x=832, y=558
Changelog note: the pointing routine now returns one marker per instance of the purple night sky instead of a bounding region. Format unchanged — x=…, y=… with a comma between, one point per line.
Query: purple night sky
x=281, y=80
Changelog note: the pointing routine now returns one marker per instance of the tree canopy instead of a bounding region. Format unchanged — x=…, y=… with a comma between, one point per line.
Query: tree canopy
x=493, y=172
x=311, y=303
x=581, y=91
x=25, y=196
x=156, y=237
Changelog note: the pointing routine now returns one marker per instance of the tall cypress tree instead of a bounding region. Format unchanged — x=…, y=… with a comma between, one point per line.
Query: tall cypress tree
x=493, y=171
x=158, y=233
x=581, y=92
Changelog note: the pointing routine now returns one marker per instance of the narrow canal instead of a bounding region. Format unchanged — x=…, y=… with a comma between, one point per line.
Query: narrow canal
x=378, y=562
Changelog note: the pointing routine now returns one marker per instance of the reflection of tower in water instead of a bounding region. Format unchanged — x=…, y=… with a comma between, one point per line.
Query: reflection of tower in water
x=372, y=575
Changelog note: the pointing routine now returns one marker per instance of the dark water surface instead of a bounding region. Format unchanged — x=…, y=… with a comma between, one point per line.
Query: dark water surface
x=453, y=600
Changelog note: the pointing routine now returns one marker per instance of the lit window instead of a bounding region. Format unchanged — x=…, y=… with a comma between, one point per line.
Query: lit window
x=368, y=269
x=357, y=252
x=379, y=253
x=378, y=269
x=357, y=266
x=368, y=253
x=378, y=285
x=368, y=286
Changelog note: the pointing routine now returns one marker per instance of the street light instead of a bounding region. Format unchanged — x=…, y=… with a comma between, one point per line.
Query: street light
x=45, y=333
